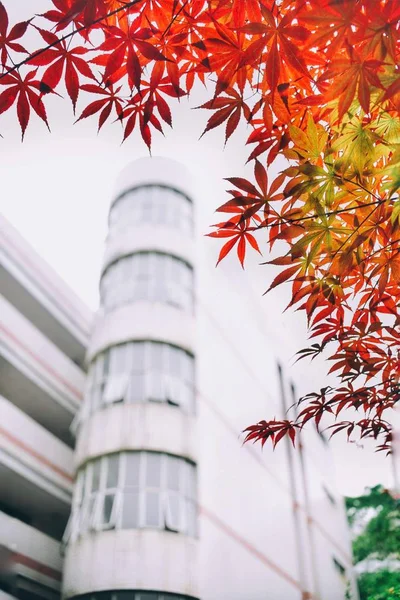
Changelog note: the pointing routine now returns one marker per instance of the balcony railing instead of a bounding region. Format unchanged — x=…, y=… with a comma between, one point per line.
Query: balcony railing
x=28, y=554
x=36, y=375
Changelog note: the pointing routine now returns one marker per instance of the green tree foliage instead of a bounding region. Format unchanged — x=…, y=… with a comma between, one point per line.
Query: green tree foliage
x=382, y=585
x=375, y=520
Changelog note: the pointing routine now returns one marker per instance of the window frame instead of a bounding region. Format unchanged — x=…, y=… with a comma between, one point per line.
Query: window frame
x=159, y=276
x=88, y=505
x=177, y=370
x=178, y=209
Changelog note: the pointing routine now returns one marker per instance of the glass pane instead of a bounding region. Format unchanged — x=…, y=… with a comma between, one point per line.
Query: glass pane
x=122, y=596
x=130, y=511
x=175, y=357
x=161, y=210
x=115, y=388
x=175, y=270
x=170, y=208
x=127, y=268
x=189, y=368
x=173, y=391
x=117, y=359
x=152, y=509
x=153, y=470
x=128, y=358
x=191, y=518
x=147, y=206
x=160, y=284
x=191, y=482
x=86, y=513
x=135, y=210
x=132, y=469
x=155, y=388
x=186, y=275
x=138, y=356
x=136, y=388
x=156, y=356
x=96, y=475
x=174, y=294
x=141, y=289
x=173, y=512
x=184, y=398
x=134, y=262
x=173, y=472
x=112, y=470
x=106, y=363
x=143, y=264
x=108, y=504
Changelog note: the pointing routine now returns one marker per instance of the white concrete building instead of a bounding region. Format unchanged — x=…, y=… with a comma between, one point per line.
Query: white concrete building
x=166, y=504
x=44, y=333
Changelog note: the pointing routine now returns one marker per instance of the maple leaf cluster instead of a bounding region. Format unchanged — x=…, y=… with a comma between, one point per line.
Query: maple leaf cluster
x=318, y=83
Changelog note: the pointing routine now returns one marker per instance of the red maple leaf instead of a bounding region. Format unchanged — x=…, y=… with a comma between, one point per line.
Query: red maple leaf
x=7, y=40
x=60, y=57
x=25, y=91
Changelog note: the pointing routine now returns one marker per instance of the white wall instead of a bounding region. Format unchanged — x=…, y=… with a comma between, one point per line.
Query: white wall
x=34, y=447
x=148, y=426
x=248, y=544
x=25, y=346
x=131, y=559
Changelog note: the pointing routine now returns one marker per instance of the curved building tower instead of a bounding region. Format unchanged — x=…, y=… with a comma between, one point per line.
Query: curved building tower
x=133, y=526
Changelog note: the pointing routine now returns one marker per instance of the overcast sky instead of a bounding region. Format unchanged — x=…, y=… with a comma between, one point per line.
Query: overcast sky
x=56, y=189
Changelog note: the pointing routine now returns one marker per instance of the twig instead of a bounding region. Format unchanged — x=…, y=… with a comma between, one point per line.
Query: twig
x=67, y=36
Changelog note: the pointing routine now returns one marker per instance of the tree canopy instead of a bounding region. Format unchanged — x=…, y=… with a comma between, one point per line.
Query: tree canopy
x=318, y=83
x=374, y=517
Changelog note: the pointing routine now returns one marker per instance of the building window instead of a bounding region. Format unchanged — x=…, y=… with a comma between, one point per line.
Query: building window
x=140, y=372
x=134, y=490
x=339, y=568
x=149, y=276
x=329, y=496
x=153, y=204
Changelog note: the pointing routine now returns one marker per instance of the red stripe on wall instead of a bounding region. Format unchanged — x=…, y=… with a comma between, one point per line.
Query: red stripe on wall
x=249, y=547
x=326, y=535
x=43, y=363
x=17, y=442
x=296, y=506
x=21, y=559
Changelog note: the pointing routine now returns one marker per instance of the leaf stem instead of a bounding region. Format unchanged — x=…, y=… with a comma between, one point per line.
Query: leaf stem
x=68, y=36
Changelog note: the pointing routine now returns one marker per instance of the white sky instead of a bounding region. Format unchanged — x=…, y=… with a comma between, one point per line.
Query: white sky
x=56, y=188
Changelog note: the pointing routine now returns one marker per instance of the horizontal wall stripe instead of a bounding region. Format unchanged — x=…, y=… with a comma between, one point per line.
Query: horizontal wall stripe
x=27, y=561
x=43, y=363
x=20, y=444
x=276, y=479
x=249, y=547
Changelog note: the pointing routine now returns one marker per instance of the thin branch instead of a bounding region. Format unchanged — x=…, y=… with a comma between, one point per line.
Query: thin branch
x=69, y=35
x=174, y=18
x=314, y=216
